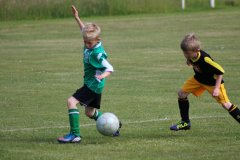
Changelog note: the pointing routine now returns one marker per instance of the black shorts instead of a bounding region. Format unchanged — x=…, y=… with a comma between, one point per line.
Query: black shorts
x=87, y=97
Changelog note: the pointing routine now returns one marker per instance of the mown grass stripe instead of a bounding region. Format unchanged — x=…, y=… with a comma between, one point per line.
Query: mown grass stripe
x=124, y=122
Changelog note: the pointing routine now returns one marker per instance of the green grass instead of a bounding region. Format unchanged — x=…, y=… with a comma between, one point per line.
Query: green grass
x=42, y=9
x=41, y=66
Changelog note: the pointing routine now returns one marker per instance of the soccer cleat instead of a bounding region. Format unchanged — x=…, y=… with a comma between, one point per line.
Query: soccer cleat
x=69, y=138
x=116, y=134
x=181, y=125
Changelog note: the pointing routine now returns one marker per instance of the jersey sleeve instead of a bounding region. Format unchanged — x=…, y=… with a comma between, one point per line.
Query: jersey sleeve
x=107, y=65
x=214, y=67
x=99, y=61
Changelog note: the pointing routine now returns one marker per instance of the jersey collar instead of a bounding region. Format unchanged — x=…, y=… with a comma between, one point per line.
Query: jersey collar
x=98, y=44
x=198, y=57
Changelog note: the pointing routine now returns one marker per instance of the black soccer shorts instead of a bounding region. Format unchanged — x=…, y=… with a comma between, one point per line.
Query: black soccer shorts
x=87, y=97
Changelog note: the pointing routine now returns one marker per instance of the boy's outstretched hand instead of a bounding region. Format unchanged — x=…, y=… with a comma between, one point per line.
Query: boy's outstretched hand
x=74, y=11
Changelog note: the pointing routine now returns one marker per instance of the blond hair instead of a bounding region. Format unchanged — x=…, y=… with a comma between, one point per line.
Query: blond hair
x=190, y=43
x=91, y=31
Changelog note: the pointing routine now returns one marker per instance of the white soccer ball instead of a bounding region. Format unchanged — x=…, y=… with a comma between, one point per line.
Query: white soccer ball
x=107, y=124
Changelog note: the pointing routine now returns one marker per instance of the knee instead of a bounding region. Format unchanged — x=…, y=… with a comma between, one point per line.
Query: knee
x=227, y=105
x=71, y=103
x=182, y=95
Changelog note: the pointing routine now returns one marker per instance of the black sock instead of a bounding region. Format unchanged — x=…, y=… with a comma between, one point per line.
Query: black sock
x=235, y=113
x=184, y=109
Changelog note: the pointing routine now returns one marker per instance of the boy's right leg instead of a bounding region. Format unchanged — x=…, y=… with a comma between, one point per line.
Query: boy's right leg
x=183, y=104
x=190, y=86
x=73, y=116
x=74, y=135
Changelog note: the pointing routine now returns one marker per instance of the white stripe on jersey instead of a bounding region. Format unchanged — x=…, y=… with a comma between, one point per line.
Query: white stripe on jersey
x=98, y=45
x=99, y=56
x=107, y=65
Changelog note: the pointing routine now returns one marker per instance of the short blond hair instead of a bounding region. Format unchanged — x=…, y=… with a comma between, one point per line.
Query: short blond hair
x=190, y=43
x=91, y=31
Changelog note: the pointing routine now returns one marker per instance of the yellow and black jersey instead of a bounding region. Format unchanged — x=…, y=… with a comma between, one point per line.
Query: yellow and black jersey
x=206, y=69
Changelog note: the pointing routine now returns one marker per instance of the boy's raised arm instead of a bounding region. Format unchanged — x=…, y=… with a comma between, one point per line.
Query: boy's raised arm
x=75, y=13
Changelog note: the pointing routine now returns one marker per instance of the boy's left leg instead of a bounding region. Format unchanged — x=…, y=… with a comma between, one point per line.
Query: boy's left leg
x=92, y=108
x=92, y=113
x=233, y=110
x=223, y=99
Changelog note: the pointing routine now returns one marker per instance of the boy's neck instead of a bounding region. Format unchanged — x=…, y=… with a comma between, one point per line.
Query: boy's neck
x=94, y=45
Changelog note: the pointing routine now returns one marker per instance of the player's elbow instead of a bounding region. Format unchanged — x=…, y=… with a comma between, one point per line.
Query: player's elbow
x=109, y=69
x=108, y=66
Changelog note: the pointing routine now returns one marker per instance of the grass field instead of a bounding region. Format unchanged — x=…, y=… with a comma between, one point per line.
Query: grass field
x=41, y=66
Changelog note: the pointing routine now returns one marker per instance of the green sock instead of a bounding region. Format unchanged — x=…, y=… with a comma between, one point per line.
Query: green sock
x=96, y=115
x=74, y=121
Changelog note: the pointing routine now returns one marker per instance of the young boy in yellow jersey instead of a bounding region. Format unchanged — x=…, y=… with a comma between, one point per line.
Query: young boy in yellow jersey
x=208, y=76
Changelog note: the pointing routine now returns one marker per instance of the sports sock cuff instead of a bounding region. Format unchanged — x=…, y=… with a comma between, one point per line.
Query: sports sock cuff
x=96, y=115
x=73, y=111
x=232, y=108
x=183, y=99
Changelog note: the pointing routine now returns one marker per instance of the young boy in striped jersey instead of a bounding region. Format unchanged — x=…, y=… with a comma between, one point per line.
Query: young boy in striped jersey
x=96, y=69
x=208, y=76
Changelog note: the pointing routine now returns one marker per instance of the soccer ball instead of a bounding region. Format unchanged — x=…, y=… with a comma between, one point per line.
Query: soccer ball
x=107, y=124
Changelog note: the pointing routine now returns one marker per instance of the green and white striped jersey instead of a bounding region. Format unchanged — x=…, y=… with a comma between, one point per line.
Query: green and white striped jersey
x=95, y=63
